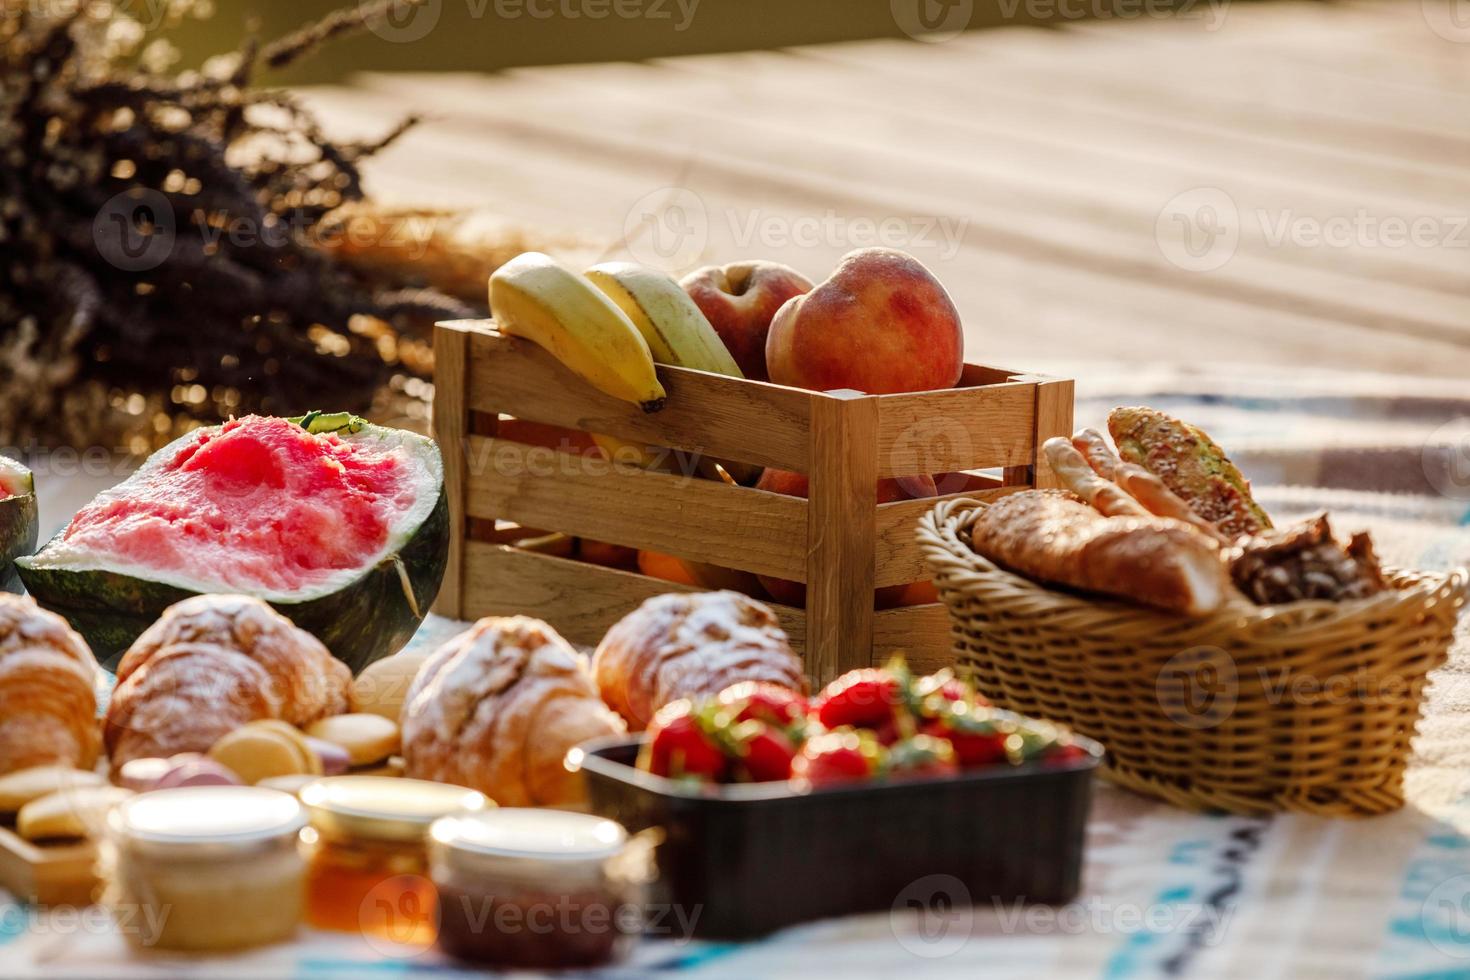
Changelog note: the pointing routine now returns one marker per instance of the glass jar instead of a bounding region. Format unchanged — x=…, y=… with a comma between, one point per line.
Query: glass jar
x=205, y=868
x=368, y=868
x=537, y=889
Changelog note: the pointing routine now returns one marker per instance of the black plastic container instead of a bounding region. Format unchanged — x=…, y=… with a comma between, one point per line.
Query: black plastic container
x=758, y=857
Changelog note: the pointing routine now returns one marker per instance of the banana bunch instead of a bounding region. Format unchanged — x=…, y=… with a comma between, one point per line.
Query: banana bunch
x=611, y=326
x=535, y=297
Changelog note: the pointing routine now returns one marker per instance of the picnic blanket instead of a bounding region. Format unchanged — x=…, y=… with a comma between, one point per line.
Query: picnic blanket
x=1165, y=893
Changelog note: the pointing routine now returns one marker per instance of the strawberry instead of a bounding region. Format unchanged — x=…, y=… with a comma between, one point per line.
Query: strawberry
x=862, y=698
x=1064, y=753
x=977, y=735
x=763, y=701
x=765, y=752
x=921, y=756
x=681, y=746
x=842, y=756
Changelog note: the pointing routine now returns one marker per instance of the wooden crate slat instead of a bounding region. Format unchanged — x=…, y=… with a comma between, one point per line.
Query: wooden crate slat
x=582, y=601
x=920, y=633
x=450, y=414
x=690, y=517
x=956, y=429
x=706, y=413
x=898, y=559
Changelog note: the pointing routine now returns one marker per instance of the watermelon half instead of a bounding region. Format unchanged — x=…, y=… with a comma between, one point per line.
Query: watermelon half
x=19, y=519
x=340, y=525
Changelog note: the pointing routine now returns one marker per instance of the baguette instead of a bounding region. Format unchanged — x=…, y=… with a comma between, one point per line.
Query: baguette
x=1073, y=469
x=1055, y=537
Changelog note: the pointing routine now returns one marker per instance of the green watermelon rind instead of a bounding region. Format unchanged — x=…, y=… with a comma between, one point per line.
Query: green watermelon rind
x=20, y=520
x=360, y=620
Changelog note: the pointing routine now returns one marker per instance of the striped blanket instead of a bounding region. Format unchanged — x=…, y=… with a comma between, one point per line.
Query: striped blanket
x=1165, y=893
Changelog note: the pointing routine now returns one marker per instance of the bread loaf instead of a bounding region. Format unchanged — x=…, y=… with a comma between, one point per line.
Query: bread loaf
x=1053, y=536
x=498, y=708
x=48, y=700
x=691, y=645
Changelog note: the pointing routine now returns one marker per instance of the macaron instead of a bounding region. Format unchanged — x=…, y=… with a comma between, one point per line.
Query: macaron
x=255, y=752
x=192, y=769
x=382, y=687
x=334, y=758
x=24, y=785
x=368, y=739
x=77, y=812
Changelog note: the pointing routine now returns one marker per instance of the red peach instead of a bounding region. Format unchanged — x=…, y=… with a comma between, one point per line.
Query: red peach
x=739, y=300
x=881, y=324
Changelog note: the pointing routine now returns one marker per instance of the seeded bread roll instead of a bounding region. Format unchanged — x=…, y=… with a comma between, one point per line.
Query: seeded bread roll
x=1191, y=465
x=1054, y=536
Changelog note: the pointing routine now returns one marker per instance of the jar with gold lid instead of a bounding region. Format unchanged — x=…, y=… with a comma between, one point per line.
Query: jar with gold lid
x=205, y=868
x=367, y=859
x=538, y=889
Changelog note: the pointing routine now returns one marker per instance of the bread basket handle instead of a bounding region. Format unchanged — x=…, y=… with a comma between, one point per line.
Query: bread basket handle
x=939, y=533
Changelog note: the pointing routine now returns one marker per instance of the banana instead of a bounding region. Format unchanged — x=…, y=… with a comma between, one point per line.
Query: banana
x=677, y=333
x=534, y=297
x=675, y=329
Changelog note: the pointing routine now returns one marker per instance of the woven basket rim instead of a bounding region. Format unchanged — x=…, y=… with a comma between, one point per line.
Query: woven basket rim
x=939, y=538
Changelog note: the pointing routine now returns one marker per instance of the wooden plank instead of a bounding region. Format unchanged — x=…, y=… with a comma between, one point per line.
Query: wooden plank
x=955, y=429
x=1054, y=404
x=898, y=560
x=729, y=418
x=450, y=414
x=705, y=520
x=920, y=633
x=582, y=601
x=49, y=874
x=841, y=523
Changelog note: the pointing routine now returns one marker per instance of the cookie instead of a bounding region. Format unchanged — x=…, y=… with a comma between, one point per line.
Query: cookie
x=367, y=738
x=80, y=812
x=24, y=785
x=255, y=752
x=383, y=686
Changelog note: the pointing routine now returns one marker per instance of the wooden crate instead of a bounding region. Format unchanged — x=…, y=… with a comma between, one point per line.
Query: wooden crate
x=841, y=542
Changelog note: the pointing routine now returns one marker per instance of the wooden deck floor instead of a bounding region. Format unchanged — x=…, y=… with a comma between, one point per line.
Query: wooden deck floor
x=1288, y=185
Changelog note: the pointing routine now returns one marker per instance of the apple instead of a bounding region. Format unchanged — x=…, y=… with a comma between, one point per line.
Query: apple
x=880, y=324
x=891, y=489
x=739, y=300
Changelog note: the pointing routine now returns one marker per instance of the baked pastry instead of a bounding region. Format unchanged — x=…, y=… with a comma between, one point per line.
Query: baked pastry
x=498, y=708
x=1054, y=536
x=691, y=645
x=1138, y=482
x=1068, y=463
x=210, y=665
x=1191, y=465
x=1305, y=561
x=309, y=682
x=48, y=698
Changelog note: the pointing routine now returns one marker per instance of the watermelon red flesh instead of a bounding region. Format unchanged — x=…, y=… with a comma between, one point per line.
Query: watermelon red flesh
x=258, y=505
x=19, y=520
x=343, y=528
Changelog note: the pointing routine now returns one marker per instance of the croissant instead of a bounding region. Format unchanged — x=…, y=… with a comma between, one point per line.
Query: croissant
x=211, y=664
x=48, y=699
x=691, y=645
x=497, y=708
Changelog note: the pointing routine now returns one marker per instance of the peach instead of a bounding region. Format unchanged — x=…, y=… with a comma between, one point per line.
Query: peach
x=572, y=441
x=889, y=490
x=880, y=324
x=608, y=555
x=739, y=300
x=657, y=565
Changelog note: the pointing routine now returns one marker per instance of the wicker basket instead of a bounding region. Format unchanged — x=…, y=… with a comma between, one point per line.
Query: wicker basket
x=1307, y=707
